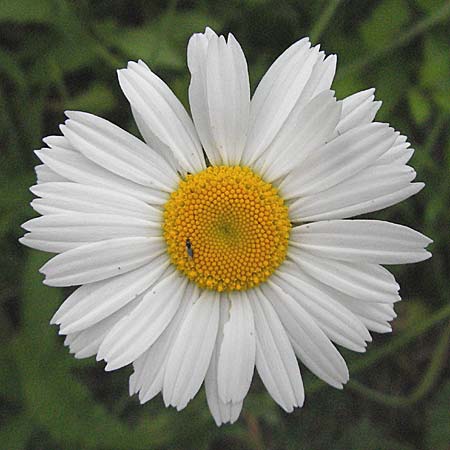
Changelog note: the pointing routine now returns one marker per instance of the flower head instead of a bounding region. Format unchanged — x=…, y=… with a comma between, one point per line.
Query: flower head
x=223, y=243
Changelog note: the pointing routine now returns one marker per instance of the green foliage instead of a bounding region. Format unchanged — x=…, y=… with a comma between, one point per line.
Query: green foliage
x=60, y=54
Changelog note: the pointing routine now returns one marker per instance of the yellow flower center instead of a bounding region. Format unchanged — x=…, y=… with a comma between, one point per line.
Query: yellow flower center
x=226, y=228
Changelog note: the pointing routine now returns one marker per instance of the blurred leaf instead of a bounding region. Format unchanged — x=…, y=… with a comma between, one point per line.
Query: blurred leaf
x=438, y=420
x=365, y=435
x=14, y=434
x=429, y=5
x=9, y=384
x=387, y=20
x=158, y=43
x=10, y=67
x=15, y=203
x=26, y=11
x=435, y=70
x=392, y=84
x=97, y=99
x=419, y=105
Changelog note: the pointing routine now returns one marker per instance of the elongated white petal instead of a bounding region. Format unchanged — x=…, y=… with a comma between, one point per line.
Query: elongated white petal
x=221, y=411
x=358, y=109
x=135, y=333
x=58, y=142
x=374, y=316
x=373, y=188
x=163, y=113
x=337, y=322
x=338, y=160
x=72, y=230
x=46, y=175
x=118, y=151
x=93, y=302
x=57, y=198
x=371, y=241
x=150, y=366
x=191, y=353
x=237, y=353
x=370, y=282
x=275, y=358
x=219, y=95
x=400, y=152
x=75, y=167
x=100, y=260
x=307, y=128
x=151, y=139
x=295, y=77
x=85, y=343
x=310, y=343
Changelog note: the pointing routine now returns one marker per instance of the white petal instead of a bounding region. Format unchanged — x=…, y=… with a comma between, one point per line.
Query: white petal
x=375, y=316
x=338, y=160
x=118, y=151
x=358, y=109
x=374, y=188
x=400, y=152
x=191, y=353
x=371, y=241
x=237, y=353
x=370, y=282
x=135, y=333
x=151, y=139
x=62, y=232
x=60, y=198
x=306, y=129
x=59, y=142
x=310, y=343
x=75, y=167
x=101, y=260
x=150, y=366
x=219, y=95
x=293, y=78
x=164, y=114
x=93, y=302
x=275, y=358
x=45, y=175
x=222, y=412
x=86, y=343
x=337, y=322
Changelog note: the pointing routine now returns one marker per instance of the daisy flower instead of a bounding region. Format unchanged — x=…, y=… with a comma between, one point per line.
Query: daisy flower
x=223, y=242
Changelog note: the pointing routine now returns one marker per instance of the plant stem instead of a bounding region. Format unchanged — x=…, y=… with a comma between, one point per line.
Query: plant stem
x=421, y=27
x=434, y=369
x=376, y=355
x=324, y=20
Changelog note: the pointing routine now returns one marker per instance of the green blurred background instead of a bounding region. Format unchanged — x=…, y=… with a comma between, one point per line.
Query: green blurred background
x=60, y=54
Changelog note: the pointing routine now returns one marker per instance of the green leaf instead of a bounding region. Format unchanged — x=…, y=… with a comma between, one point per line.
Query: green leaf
x=96, y=99
x=419, y=105
x=15, y=433
x=388, y=19
x=26, y=11
x=435, y=69
x=365, y=435
x=437, y=436
x=161, y=43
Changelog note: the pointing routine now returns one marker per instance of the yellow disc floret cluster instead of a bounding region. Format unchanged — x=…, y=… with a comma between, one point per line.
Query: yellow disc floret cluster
x=226, y=229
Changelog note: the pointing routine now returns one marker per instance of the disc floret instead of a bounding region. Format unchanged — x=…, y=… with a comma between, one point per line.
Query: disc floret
x=226, y=228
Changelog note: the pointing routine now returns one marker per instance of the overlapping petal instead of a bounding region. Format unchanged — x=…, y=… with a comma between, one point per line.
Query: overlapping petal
x=369, y=241
x=219, y=95
x=163, y=113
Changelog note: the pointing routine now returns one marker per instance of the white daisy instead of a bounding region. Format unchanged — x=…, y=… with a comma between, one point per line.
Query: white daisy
x=223, y=242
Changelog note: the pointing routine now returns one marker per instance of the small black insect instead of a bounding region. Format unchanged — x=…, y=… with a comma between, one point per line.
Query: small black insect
x=189, y=249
